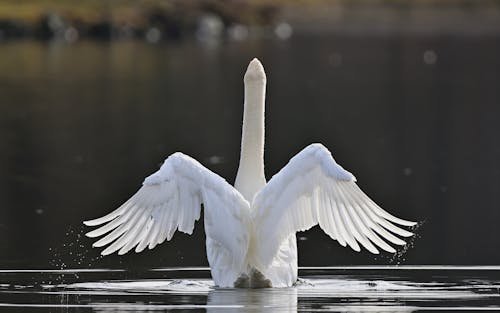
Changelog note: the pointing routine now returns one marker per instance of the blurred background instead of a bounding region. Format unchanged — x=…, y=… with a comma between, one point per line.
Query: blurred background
x=95, y=94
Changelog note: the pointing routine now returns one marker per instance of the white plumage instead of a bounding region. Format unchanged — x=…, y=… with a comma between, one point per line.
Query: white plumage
x=250, y=228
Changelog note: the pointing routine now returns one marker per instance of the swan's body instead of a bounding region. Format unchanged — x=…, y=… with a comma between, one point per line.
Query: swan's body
x=250, y=228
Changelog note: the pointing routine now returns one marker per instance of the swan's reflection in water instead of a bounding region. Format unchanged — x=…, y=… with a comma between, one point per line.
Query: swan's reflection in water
x=252, y=300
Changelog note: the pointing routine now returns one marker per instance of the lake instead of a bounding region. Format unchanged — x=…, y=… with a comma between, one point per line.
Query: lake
x=413, y=116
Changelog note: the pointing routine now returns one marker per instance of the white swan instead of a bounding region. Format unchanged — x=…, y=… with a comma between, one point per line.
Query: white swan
x=250, y=228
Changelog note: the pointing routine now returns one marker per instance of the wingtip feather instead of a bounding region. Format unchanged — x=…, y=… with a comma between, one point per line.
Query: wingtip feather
x=91, y=234
x=93, y=222
x=403, y=222
x=407, y=234
x=410, y=223
x=108, y=251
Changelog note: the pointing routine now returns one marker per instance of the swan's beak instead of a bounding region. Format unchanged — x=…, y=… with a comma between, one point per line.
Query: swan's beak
x=255, y=72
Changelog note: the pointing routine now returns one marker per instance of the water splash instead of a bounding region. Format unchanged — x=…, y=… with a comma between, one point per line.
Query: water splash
x=73, y=253
x=399, y=257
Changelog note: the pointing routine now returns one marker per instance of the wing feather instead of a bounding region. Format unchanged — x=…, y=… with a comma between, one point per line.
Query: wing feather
x=110, y=216
x=337, y=220
x=313, y=189
x=362, y=232
x=345, y=223
x=170, y=200
x=371, y=225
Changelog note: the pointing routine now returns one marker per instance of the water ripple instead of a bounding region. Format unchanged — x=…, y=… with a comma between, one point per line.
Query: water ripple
x=344, y=289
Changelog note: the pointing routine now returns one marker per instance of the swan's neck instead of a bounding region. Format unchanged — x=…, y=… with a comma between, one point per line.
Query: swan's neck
x=250, y=178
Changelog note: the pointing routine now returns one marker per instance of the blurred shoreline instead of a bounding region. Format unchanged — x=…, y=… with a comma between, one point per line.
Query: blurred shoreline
x=154, y=20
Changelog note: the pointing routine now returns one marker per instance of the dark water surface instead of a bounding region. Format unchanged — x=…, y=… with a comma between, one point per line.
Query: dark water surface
x=414, y=117
x=352, y=289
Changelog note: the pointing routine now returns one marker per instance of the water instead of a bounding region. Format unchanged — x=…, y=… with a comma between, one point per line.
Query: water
x=414, y=117
x=332, y=289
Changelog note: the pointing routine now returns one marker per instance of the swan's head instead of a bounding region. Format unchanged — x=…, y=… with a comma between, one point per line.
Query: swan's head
x=255, y=72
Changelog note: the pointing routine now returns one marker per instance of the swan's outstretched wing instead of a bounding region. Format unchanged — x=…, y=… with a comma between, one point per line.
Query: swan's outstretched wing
x=313, y=189
x=171, y=199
